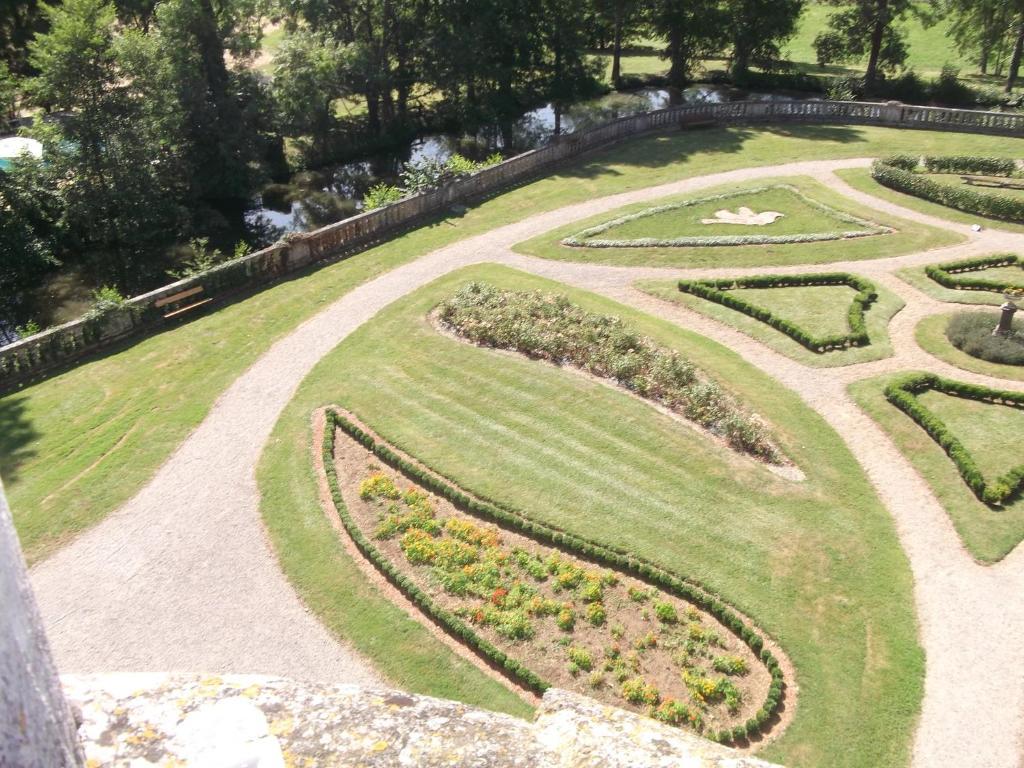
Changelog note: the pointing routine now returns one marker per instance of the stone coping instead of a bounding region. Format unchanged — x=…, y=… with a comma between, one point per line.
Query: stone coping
x=264, y=722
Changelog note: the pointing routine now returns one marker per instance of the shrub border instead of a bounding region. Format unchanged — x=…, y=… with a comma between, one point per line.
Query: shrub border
x=547, y=535
x=898, y=172
x=903, y=392
x=944, y=274
x=718, y=291
x=579, y=240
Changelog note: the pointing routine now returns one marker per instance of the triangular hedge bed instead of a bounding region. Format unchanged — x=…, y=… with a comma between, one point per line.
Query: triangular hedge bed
x=587, y=237
x=903, y=393
x=719, y=292
x=948, y=274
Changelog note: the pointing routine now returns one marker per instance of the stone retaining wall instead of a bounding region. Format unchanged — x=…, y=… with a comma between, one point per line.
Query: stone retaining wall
x=270, y=723
x=34, y=356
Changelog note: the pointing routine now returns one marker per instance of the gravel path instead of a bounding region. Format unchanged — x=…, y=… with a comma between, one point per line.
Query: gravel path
x=182, y=578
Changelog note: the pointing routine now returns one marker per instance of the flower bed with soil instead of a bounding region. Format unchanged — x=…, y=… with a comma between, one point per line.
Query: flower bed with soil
x=635, y=636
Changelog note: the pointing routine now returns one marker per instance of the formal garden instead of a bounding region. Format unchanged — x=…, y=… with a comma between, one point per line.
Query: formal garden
x=696, y=424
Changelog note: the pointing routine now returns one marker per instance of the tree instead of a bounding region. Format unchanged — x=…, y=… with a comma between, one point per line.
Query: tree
x=110, y=156
x=866, y=28
x=758, y=28
x=980, y=27
x=19, y=21
x=311, y=71
x=568, y=74
x=8, y=97
x=29, y=212
x=1018, y=45
x=694, y=29
x=621, y=21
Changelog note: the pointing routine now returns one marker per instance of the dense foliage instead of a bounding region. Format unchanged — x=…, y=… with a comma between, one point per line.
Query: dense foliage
x=898, y=173
x=971, y=332
x=550, y=327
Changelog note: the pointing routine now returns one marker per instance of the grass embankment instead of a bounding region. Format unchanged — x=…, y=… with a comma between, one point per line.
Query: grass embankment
x=931, y=335
x=816, y=563
x=77, y=446
x=822, y=309
x=908, y=238
x=860, y=179
x=989, y=534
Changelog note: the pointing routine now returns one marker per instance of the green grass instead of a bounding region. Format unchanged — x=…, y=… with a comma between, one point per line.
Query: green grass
x=931, y=335
x=75, y=447
x=910, y=237
x=989, y=431
x=799, y=217
x=816, y=563
x=860, y=179
x=929, y=47
x=988, y=534
x=807, y=306
x=955, y=180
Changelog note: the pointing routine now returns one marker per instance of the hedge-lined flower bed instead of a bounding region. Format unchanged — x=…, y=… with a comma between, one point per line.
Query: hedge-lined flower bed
x=948, y=274
x=899, y=173
x=586, y=238
x=903, y=393
x=550, y=327
x=719, y=292
x=397, y=511
x=971, y=333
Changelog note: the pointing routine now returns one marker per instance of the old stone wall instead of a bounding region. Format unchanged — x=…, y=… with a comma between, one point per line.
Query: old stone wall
x=271, y=723
x=37, y=355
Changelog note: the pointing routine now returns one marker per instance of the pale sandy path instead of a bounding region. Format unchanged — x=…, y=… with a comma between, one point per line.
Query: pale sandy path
x=181, y=578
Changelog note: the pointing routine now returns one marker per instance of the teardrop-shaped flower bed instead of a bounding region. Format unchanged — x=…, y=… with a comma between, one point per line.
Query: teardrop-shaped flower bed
x=548, y=608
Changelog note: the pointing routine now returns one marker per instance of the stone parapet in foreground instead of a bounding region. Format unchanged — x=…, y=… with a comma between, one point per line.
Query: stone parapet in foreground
x=261, y=722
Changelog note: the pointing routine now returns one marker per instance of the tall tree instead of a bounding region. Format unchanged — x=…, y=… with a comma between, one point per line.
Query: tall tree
x=107, y=156
x=979, y=28
x=694, y=29
x=20, y=20
x=621, y=21
x=868, y=27
x=1018, y=45
x=758, y=29
x=563, y=47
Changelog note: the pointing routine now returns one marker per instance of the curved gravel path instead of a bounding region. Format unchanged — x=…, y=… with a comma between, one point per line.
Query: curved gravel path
x=182, y=578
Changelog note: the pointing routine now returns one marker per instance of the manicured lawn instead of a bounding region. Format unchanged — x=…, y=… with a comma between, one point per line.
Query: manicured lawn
x=931, y=335
x=955, y=180
x=916, y=277
x=77, y=446
x=908, y=238
x=816, y=564
x=988, y=534
x=821, y=307
x=799, y=217
x=990, y=432
x=929, y=47
x=860, y=179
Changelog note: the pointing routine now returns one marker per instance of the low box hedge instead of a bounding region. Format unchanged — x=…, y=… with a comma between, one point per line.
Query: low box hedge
x=948, y=274
x=600, y=554
x=719, y=292
x=897, y=173
x=903, y=392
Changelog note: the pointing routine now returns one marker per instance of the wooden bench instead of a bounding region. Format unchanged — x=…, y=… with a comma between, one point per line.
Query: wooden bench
x=175, y=298
x=981, y=181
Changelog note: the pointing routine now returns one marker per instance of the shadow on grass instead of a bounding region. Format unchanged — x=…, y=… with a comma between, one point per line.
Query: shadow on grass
x=16, y=433
x=667, y=148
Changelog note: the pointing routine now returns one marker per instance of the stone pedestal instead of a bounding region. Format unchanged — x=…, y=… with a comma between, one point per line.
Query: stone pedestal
x=1005, y=327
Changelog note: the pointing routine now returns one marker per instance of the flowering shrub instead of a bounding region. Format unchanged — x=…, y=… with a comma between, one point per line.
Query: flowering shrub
x=499, y=588
x=550, y=327
x=675, y=712
x=730, y=665
x=666, y=613
x=378, y=486
x=596, y=614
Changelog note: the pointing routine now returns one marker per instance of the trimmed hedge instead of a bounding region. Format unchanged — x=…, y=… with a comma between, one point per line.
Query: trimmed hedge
x=614, y=558
x=718, y=291
x=945, y=274
x=903, y=392
x=585, y=239
x=988, y=166
x=897, y=173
